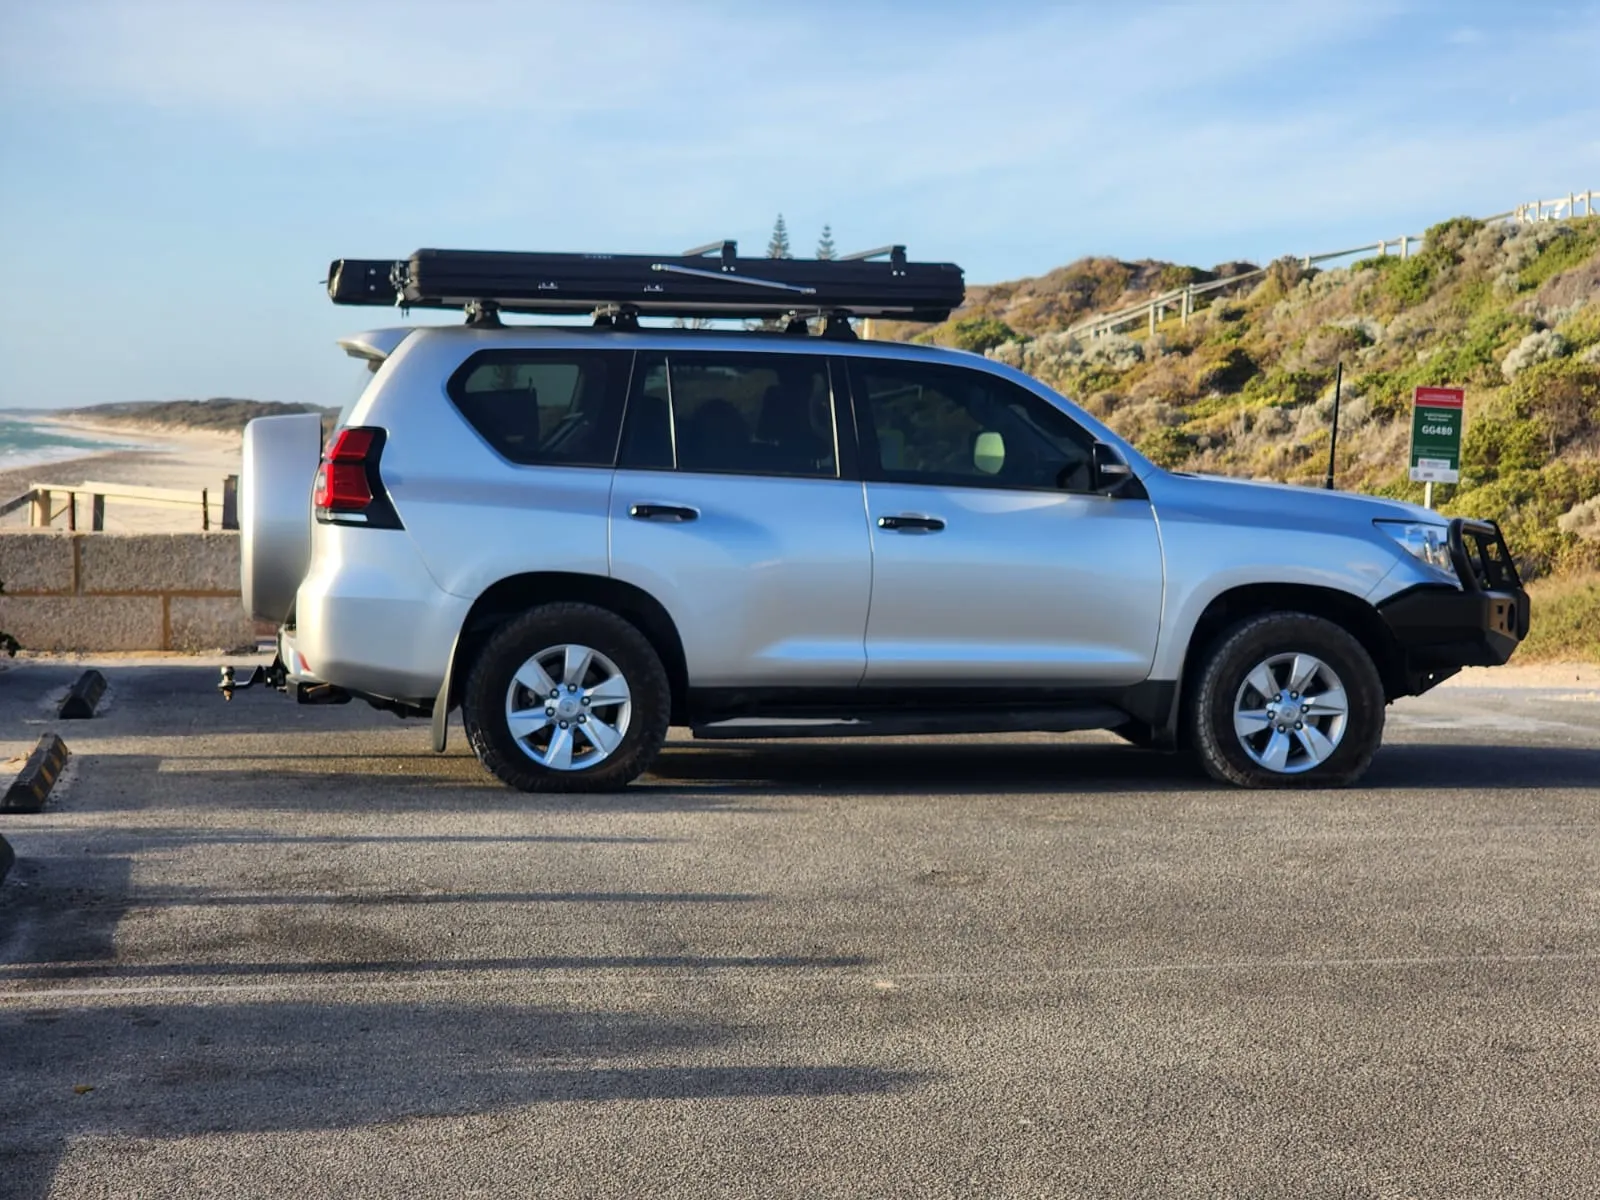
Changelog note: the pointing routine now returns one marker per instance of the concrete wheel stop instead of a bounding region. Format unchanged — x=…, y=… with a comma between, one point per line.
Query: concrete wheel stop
x=31, y=788
x=79, y=702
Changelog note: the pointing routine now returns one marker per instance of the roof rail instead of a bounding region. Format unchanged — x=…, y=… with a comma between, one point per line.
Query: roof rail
x=694, y=284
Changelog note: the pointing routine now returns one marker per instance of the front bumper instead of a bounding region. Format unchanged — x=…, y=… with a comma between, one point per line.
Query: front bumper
x=1440, y=629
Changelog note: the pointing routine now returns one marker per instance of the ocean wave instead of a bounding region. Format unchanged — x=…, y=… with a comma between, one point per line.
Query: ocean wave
x=25, y=443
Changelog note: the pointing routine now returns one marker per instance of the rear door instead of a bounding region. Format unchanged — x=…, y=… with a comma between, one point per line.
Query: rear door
x=734, y=505
x=521, y=480
x=993, y=561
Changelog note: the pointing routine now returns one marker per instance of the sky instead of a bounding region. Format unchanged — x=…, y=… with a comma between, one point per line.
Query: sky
x=175, y=177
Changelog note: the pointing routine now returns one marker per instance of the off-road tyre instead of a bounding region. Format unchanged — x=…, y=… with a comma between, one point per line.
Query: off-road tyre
x=1236, y=652
x=483, y=699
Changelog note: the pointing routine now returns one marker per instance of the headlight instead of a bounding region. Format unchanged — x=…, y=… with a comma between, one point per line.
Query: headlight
x=1426, y=542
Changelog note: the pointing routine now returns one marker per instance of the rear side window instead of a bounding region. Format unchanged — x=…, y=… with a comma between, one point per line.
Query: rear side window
x=744, y=414
x=558, y=408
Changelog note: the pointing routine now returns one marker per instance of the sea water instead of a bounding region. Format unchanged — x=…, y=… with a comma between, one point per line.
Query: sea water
x=28, y=443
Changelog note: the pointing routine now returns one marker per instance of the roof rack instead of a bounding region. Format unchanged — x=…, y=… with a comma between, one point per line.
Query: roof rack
x=707, y=281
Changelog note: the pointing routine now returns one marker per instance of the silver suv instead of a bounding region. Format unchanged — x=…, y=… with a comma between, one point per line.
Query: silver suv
x=584, y=535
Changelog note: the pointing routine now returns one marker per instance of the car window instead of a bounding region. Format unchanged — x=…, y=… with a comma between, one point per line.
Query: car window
x=548, y=407
x=952, y=426
x=747, y=414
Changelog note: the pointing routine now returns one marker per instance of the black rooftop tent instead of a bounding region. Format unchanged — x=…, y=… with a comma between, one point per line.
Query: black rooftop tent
x=710, y=281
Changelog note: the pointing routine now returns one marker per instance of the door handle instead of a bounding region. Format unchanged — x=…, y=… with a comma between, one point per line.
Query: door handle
x=906, y=523
x=662, y=512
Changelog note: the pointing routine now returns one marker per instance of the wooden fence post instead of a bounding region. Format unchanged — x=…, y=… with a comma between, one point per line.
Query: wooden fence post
x=230, y=502
x=39, y=510
x=72, y=512
x=205, y=511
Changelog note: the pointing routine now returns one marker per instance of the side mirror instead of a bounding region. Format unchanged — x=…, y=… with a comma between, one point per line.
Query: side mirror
x=1109, y=470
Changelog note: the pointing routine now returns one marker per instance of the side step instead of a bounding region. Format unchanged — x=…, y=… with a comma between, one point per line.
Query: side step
x=909, y=724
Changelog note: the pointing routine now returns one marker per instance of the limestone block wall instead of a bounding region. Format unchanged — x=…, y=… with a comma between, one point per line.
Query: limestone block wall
x=117, y=591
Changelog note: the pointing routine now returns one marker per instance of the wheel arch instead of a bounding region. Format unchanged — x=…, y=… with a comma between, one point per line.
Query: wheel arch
x=516, y=594
x=1344, y=609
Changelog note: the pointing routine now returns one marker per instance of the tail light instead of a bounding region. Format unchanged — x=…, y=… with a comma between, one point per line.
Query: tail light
x=348, y=488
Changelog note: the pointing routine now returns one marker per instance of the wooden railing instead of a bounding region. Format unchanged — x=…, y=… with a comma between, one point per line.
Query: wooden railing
x=1182, y=300
x=41, y=499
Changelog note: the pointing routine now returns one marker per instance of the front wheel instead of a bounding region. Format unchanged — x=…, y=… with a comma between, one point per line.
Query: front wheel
x=1287, y=700
x=566, y=698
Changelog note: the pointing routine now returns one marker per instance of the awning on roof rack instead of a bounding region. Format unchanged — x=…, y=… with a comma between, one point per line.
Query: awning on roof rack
x=688, y=285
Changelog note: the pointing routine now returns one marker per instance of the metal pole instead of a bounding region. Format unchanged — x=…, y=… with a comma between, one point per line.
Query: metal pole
x=1427, y=494
x=1333, y=442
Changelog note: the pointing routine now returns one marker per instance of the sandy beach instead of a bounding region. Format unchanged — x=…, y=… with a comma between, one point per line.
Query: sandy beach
x=164, y=457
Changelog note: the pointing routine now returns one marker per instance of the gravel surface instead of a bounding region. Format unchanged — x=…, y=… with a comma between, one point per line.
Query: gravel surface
x=266, y=950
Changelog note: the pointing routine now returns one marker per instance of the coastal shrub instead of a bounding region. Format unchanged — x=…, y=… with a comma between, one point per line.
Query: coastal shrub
x=1495, y=442
x=1228, y=371
x=1540, y=346
x=1166, y=447
x=1567, y=245
x=1174, y=276
x=1410, y=280
x=1582, y=520
x=1564, y=397
x=1116, y=350
x=978, y=334
x=1566, y=622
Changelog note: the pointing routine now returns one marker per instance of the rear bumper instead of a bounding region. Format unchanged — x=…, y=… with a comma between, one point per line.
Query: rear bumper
x=370, y=620
x=1440, y=629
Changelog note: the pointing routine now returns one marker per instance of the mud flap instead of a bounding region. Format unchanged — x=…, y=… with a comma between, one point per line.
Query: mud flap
x=441, y=702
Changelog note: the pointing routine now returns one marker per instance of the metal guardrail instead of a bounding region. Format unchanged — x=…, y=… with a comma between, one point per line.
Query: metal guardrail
x=42, y=510
x=1182, y=299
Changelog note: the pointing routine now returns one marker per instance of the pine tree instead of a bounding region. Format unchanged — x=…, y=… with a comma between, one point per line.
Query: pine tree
x=778, y=247
x=825, y=243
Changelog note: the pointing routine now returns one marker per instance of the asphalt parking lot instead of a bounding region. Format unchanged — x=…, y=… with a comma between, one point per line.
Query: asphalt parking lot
x=265, y=950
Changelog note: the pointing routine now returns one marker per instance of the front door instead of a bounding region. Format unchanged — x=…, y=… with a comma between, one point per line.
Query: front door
x=729, y=507
x=994, y=563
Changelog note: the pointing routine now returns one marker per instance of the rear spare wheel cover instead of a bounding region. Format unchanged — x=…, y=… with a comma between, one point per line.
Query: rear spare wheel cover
x=280, y=460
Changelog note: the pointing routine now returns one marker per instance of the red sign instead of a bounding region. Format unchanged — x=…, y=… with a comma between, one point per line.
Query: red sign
x=1439, y=397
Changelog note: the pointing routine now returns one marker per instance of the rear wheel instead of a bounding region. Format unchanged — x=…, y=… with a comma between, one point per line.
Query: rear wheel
x=1287, y=700
x=566, y=698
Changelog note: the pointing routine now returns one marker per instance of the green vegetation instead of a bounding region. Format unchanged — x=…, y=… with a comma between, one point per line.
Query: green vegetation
x=1511, y=312
x=221, y=414
x=976, y=334
x=1566, y=621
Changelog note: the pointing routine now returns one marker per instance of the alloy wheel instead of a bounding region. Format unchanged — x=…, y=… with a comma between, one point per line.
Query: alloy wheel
x=568, y=707
x=1290, y=713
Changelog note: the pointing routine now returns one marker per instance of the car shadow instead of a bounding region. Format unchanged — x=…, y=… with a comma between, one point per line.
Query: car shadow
x=166, y=1071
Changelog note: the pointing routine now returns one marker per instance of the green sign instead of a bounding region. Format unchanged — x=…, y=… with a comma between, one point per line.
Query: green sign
x=1437, y=415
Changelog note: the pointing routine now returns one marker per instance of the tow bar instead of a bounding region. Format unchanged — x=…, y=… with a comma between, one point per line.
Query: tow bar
x=274, y=676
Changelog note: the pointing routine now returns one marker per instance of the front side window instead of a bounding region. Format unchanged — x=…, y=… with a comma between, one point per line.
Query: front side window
x=558, y=408
x=746, y=414
x=951, y=426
